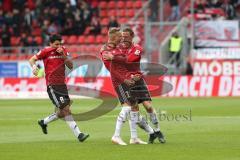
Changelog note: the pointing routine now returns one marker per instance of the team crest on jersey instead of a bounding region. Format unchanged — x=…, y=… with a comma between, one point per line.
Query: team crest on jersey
x=137, y=52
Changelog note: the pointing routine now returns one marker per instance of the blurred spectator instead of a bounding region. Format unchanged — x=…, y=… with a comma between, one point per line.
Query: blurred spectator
x=85, y=13
x=73, y=5
x=113, y=22
x=214, y=3
x=200, y=5
x=9, y=18
x=53, y=28
x=175, y=47
x=16, y=22
x=28, y=16
x=95, y=27
x=175, y=15
x=2, y=18
x=154, y=10
x=6, y=37
x=68, y=27
x=24, y=42
x=32, y=41
x=229, y=10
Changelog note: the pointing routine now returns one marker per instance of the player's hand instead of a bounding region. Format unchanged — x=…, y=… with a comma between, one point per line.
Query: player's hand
x=136, y=77
x=59, y=50
x=108, y=56
x=35, y=70
x=129, y=82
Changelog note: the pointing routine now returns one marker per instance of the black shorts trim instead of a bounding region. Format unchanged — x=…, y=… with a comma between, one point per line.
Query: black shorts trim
x=124, y=94
x=58, y=94
x=140, y=91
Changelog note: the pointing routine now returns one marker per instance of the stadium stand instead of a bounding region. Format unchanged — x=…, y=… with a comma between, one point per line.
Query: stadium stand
x=38, y=18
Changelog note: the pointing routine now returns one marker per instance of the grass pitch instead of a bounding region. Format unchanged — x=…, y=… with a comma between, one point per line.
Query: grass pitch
x=212, y=133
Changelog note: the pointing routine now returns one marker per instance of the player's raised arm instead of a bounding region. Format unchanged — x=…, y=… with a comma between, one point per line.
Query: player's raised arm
x=32, y=62
x=68, y=62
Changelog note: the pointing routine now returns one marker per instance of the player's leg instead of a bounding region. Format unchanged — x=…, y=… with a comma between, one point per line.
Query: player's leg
x=154, y=120
x=52, y=117
x=142, y=94
x=121, y=119
x=60, y=97
x=133, y=122
x=147, y=128
x=122, y=93
x=66, y=113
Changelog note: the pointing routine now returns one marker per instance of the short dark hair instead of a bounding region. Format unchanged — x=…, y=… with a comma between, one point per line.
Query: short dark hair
x=55, y=37
x=129, y=30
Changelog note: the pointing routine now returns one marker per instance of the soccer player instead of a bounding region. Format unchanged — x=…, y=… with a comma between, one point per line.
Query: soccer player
x=133, y=54
x=55, y=57
x=119, y=80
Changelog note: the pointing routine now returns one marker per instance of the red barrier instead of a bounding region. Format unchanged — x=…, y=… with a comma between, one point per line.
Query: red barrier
x=182, y=86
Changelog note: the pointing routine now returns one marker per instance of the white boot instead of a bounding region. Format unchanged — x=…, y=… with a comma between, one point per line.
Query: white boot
x=137, y=141
x=118, y=140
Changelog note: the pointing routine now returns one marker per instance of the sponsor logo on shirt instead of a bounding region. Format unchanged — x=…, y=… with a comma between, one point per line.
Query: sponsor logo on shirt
x=55, y=57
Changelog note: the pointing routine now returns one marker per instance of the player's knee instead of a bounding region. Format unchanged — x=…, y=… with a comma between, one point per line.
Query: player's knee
x=148, y=106
x=149, y=109
x=66, y=111
x=60, y=114
x=135, y=108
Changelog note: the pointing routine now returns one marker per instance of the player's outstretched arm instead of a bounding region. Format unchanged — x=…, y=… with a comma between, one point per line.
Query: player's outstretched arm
x=32, y=62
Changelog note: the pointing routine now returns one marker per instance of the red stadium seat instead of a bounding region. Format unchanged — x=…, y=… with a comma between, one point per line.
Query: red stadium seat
x=83, y=48
x=138, y=4
x=104, y=21
x=72, y=49
x=103, y=4
x=15, y=41
x=99, y=39
x=129, y=4
x=39, y=40
x=104, y=31
x=131, y=13
x=81, y=39
x=112, y=12
x=111, y=4
x=90, y=39
x=37, y=31
x=120, y=4
x=103, y=13
x=122, y=20
x=121, y=13
x=72, y=39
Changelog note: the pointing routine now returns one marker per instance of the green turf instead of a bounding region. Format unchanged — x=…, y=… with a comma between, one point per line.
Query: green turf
x=212, y=133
